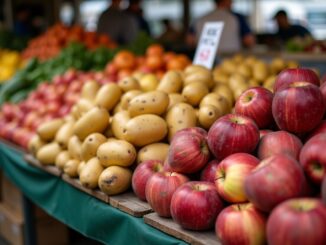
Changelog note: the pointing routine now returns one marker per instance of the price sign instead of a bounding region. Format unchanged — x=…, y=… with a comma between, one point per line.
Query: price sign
x=208, y=43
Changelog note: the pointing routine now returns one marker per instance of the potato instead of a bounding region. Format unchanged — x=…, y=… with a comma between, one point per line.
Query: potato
x=118, y=125
x=47, y=130
x=204, y=76
x=155, y=151
x=116, y=153
x=90, y=145
x=236, y=80
x=90, y=90
x=47, y=153
x=108, y=96
x=171, y=82
x=74, y=112
x=260, y=71
x=194, y=92
x=244, y=70
x=71, y=168
x=145, y=129
x=229, y=66
x=194, y=69
x=148, y=82
x=207, y=115
x=174, y=99
x=61, y=159
x=127, y=97
x=224, y=90
x=94, y=121
x=114, y=180
x=117, y=108
x=83, y=106
x=154, y=102
x=74, y=147
x=35, y=144
x=80, y=167
x=217, y=100
x=64, y=133
x=180, y=116
x=90, y=173
x=128, y=83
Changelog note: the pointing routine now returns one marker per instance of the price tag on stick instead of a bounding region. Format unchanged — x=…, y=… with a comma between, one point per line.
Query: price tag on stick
x=208, y=43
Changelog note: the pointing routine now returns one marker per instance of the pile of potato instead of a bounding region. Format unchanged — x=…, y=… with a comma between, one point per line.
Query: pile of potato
x=240, y=73
x=118, y=125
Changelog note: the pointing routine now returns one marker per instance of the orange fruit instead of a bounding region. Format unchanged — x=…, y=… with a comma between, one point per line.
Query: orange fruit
x=124, y=60
x=155, y=49
x=154, y=62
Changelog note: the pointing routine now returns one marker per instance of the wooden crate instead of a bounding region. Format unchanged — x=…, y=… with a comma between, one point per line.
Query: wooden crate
x=170, y=227
x=129, y=203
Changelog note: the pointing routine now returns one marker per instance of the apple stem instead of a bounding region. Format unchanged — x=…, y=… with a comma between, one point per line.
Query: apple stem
x=239, y=207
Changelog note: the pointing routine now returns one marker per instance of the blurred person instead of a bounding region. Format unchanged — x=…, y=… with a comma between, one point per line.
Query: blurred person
x=121, y=26
x=286, y=30
x=170, y=36
x=135, y=9
x=22, y=21
x=236, y=33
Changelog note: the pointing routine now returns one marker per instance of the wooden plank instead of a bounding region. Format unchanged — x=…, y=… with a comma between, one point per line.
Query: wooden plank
x=47, y=168
x=129, y=203
x=95, y=193
x=170, y=227
x=13, y=145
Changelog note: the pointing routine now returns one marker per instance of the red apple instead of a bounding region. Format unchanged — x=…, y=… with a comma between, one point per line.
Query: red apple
x=232, y=133
x=256, y=103
x=193, y=130
x=263, y=132
x=141, y=175
x=321, y=128
x=291, y=75
x=195, y=205
x=209, y=172
x=279, y=142
x=241, y=224
x=323, y=190
x=231, y=174
x=159, y=190
x=313, y=158
x=188, y=152
x=299, y=108
x=273, y=181
x=299, y=221
x=323, y=90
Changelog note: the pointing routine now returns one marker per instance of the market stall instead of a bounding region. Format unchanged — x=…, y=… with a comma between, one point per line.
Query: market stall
x=170, y=139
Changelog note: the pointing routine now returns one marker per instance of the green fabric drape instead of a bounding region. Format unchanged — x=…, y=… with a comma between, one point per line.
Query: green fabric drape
x=77, y=209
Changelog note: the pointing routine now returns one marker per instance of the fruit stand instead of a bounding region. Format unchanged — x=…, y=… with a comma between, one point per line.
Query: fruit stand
x=139, y=144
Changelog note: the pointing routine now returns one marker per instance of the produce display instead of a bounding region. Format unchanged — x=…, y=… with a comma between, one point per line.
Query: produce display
x=241, y=73
x=245, y=170
x=306, y=44
x=50, y=43
x=10, y=62
x=48, y=101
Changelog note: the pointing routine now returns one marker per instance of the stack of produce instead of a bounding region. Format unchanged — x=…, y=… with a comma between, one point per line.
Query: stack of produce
x=306, y=44
x=241, y=73
x=156, y=60
x=74, y=56
x=49, y=100
x=59, y=36
x=10, y=62
x=262, y=169
x=110, y=124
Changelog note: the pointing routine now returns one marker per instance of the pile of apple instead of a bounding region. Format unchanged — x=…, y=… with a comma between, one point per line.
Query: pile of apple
x=241, y=73
x=18, y=122
x=258, y=176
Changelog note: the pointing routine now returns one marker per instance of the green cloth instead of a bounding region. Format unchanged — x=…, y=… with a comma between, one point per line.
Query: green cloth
x=77, y=209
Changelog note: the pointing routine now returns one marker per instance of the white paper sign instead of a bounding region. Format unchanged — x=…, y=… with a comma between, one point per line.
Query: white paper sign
x=208, y=43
